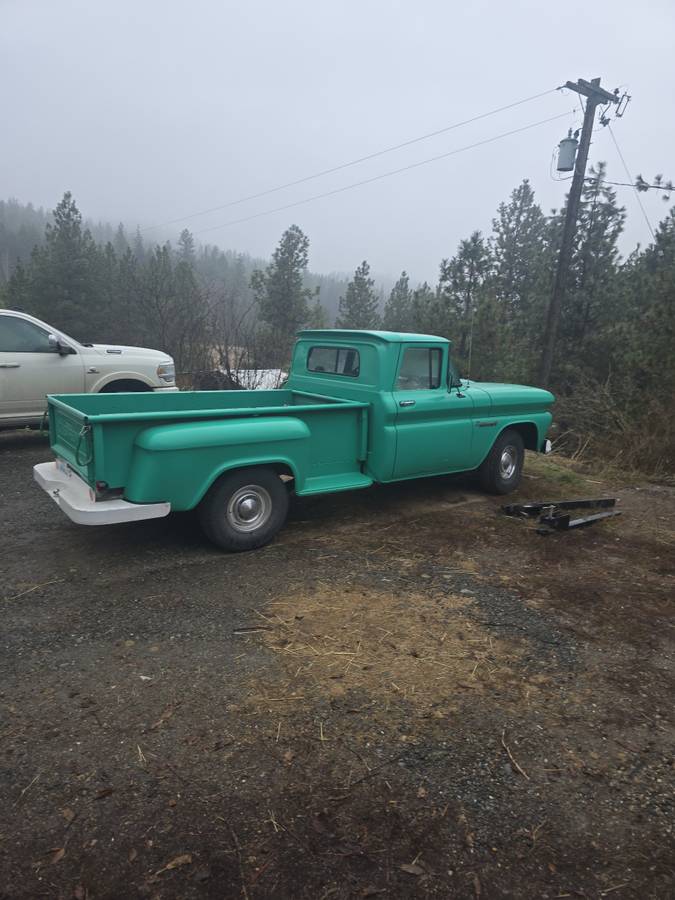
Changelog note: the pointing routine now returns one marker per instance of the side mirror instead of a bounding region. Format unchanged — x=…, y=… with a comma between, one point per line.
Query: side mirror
x=56, y=345
x=454, y=381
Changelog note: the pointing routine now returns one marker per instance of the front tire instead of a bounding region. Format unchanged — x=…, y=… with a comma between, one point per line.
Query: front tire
x=244, y=509
x=124, y=386
x=502, y=470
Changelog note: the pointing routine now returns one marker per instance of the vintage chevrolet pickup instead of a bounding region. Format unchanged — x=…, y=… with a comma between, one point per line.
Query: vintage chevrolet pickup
x=359, y=407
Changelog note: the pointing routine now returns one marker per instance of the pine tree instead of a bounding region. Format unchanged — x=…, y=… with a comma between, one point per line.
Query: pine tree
x=459, y=290
x=398, y=311
x=18, y=291
x=186, y=247
x=592, y=289
x=425, y=313
x=173, y=309
x=65, y=275
x=520, y=284
x=280, y=292
x=108, y=304
x=139, y=246
x=156, y=295
x=358, y=306
x=120, y=243
x=127, y=307
x=491, y=356
x=21, y=228
x=642, y=341
x=317, y=317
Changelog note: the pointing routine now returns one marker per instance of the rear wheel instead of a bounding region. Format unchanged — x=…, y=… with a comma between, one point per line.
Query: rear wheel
x=244, y=509
x=502, y=469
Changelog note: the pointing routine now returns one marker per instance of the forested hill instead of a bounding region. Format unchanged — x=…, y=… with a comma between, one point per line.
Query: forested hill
x=22, y=227
x=614, y=361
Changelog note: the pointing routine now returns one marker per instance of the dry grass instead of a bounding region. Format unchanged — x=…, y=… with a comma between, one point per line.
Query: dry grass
x=603, y=423
x=421, y=648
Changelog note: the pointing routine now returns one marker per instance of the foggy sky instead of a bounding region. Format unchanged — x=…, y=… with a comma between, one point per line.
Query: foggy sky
x=150, y=110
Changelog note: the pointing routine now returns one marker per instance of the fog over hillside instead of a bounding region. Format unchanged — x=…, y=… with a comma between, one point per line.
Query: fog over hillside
x=154, y=112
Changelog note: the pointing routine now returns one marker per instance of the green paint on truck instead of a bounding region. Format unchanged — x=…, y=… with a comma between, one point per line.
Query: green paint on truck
x=359, y=407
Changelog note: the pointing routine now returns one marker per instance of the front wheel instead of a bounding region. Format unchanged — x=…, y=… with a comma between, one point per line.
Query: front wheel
x=502, y=469
x=244, y=509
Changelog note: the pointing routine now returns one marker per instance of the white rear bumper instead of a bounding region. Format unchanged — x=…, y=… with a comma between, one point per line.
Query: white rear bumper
x=77, y=501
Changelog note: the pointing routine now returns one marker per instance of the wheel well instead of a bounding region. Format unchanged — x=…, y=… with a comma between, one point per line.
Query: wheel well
x=527, y=431
x=283, y=471
x=124, y=384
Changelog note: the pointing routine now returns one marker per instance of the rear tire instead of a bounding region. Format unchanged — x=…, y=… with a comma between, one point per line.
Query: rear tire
x=502, y=469
x=244, y=509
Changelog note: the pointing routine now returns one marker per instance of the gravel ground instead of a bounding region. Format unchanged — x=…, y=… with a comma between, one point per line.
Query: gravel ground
x=406, y=695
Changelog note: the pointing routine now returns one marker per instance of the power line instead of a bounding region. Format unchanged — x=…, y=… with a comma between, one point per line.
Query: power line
x=631, y=184
x=354, y=162
x=424, y=162
x=630, y=178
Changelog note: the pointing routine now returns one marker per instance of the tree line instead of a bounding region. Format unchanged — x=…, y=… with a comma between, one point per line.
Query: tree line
x=614, y=366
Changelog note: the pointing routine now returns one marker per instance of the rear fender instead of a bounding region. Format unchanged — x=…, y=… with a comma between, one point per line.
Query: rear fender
x=179, y=463
x=284, y=465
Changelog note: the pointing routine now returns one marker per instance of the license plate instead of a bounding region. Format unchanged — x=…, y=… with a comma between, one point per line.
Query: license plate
x=63, y=467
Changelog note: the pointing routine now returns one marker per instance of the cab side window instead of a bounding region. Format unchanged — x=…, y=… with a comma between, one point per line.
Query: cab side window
x=19, y=336
x=420, y=369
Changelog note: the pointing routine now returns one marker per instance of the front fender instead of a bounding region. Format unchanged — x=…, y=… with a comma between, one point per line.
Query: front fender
x=532, y=430
x=97, y=386
x=180, y=462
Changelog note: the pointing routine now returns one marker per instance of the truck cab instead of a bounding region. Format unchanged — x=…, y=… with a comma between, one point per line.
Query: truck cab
x=423, y=418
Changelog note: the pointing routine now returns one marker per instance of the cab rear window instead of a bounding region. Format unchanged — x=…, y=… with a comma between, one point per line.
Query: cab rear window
x=334, y=361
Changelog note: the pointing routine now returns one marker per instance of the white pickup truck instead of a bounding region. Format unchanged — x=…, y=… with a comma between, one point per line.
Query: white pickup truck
x=36, y=360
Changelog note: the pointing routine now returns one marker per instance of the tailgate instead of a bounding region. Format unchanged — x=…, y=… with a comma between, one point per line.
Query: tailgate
x=71, y=438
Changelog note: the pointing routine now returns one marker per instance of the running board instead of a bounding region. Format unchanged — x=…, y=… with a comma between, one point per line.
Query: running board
x=328, y=484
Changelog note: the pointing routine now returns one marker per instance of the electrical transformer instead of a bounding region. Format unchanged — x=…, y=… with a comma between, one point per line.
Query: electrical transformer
x=567, y=153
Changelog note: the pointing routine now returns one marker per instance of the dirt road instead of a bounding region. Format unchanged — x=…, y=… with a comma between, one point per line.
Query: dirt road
x=406, y=695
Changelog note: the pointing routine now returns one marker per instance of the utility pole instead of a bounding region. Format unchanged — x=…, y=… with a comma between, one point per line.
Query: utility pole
x=595, y=96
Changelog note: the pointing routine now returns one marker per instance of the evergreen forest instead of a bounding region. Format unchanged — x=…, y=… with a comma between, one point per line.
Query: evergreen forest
x=216, y=310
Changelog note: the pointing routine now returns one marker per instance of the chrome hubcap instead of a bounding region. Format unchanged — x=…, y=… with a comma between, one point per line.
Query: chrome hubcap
x=249, y=508
x=508, y=462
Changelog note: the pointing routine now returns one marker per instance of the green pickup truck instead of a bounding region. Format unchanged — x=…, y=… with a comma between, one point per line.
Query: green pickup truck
x=359, y=407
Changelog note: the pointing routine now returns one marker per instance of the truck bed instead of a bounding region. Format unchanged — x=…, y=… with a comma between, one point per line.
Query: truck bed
x=186, y=404
x=113, y=440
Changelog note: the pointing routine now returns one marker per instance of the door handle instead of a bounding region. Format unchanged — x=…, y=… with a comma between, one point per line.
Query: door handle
x=406, y=402
x=10, y=365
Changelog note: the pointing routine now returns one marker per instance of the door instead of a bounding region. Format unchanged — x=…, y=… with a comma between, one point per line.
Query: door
x=433, y=424
x=31, y=368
